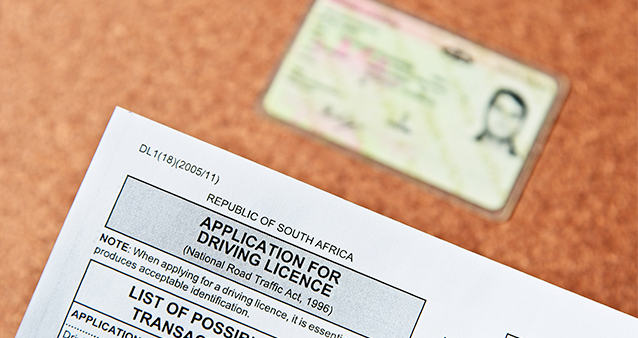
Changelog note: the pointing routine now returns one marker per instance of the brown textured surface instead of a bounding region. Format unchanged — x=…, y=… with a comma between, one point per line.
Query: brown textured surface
x=199, y=66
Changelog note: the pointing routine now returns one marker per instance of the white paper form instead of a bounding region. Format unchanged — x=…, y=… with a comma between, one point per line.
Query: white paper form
x=171, y=237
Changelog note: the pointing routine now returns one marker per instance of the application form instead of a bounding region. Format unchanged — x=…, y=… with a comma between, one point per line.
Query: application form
x=171, y=237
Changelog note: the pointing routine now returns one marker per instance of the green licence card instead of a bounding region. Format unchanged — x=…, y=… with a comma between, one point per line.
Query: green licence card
x=466, y=121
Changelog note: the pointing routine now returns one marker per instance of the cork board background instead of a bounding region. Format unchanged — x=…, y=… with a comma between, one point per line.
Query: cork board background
x=200, y=66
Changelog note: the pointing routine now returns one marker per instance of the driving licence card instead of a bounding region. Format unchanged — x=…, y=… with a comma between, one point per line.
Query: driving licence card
x=464, y=120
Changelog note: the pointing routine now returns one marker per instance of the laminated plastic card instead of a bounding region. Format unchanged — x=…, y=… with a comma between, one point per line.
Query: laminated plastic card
x=455, y=117
x=170, y=237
